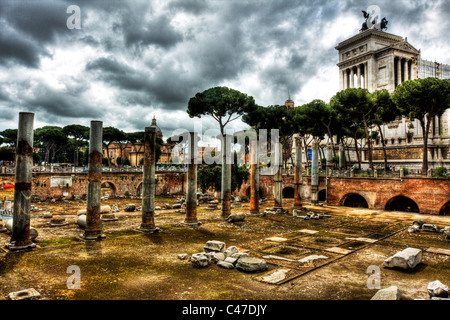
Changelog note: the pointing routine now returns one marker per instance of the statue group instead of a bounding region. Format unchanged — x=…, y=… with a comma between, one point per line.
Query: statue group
x=372, y=16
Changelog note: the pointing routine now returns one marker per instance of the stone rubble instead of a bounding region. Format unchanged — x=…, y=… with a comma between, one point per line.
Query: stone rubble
x=437, y=289
x=406, y=259
x=391, y=293
x=227, y=258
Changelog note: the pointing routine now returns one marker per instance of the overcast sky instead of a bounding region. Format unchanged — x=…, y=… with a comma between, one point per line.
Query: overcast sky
x=132, y=60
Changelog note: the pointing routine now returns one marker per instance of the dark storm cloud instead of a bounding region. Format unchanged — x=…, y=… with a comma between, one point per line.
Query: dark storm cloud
x=59, y=103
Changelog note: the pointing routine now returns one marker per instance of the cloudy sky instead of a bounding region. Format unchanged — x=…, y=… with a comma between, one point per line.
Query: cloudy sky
x=132, y=60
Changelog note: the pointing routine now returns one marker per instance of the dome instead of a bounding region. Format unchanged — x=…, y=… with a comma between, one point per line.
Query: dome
x=158, y=129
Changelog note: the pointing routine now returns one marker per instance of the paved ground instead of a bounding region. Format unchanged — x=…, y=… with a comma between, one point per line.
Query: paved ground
x=129, y=265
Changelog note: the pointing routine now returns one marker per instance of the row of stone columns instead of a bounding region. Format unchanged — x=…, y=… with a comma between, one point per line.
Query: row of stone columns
x=348, y=77
x=402, y=69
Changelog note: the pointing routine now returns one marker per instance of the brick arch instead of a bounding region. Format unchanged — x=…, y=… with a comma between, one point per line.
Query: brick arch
x=402, y=202
x=445, y=209
x=288, y=192
x=353, y=199
x=322, y=195
x=111, y=186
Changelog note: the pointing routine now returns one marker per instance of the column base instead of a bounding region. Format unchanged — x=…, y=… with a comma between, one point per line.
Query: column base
x=191, y=224
x=12, y=246
x=147, y=230
x=92, y=237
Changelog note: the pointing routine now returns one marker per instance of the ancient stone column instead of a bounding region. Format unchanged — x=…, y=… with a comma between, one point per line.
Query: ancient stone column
x=358, y=76
x=341, y=157
x=254, y=177
x=315, y=172
x=399, y=71
x=93, y=230
x=149, y=182
x=191, y=182
x=352, y=78
x=298, y=174
x=406, y=69
x=225, y=194
x=20, y=239
x=278, y=178
x=329, y=168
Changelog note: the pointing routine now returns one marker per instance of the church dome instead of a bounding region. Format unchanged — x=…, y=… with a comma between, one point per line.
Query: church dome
x=158, y=129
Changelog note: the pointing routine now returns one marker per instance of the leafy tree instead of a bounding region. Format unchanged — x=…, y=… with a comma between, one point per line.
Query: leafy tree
x=423, y=99
x=9, y=137
x=222, y=104
x=79, y=134
x=385, y=111
x=355, y=104
x=110, y=135
x=52, y=138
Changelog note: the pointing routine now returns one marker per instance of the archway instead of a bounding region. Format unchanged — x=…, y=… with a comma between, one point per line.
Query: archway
x=288, y=193
x=402, y=203
x=322, y=195
x=445, y=210
x=355, y=200
x=108, y=187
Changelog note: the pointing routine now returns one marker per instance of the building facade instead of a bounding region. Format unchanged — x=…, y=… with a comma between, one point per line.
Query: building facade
x=377, y=60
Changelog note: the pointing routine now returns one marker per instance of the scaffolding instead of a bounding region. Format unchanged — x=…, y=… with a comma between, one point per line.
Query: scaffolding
x=432, y=69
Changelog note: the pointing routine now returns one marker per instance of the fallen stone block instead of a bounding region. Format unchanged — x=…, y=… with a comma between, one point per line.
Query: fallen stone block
x=276, y=276
x=182, y=256
x=236, y=217
x=419, y=223
x=406, y=259
x=437, y=289
x=213, y=245
x=231, y=260
x=312, y=258
x=200, y=260
x=239, y=255
x=391, y=293
x=225, y=264
x=217, y=256
x=27, y=294
x=248, y=264
x=414, y=228
x=231, y=250
x=429, y=227
x=105, y=209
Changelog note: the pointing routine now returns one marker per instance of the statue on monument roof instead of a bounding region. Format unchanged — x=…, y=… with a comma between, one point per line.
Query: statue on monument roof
x=372, y=16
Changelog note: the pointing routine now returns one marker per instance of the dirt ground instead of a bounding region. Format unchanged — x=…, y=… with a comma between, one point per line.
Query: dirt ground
x=129, y=265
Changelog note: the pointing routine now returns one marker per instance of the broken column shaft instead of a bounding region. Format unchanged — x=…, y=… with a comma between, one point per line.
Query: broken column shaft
x=20, y=239
x=329, y=168
x=191, y=182
x=315, y=173
x=298, y=174
x=226, y=176
x=149, y=182
x=254, y=177
x=93, y=226
x=341, y=157
x=278, y=177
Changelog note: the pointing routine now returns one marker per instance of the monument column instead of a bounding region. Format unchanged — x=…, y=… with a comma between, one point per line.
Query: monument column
x=191, y=184
x=298, y=173
x=358, y=76
x=278, y=178
x=399, y=71
x=21, y=230
x=315, y=172
x=93, y=225
x=148, y=183
x=405, y=70
x=226, y=176
x=254, y=177
x=352, y=78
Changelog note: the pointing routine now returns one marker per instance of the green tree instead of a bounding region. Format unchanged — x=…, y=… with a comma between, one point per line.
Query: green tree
x=9, y=137
x=52, y=139
x=355, y=104
x=110, y=135
x=385, y=111
x=79, y=135
x=423, y=99
x=222, y=104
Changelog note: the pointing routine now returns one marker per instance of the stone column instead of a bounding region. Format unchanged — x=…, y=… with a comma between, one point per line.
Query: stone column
x=366, y=76
x=315, y=172
x=405, y=70
x=149, y=182
x=21, y=230
x=278, y=178
x=93, y=225
x=341, y=157
x=191, y=183
x=352, y=78
x=329, y=168
x=399, y=71
x=226, y=176
x=254, y=177
x=298, y=174
x=358, y=76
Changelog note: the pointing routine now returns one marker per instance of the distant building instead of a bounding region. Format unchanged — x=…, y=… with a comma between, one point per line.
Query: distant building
x=376, y=60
